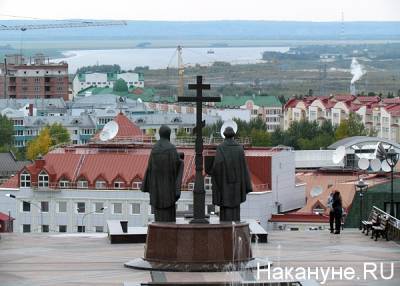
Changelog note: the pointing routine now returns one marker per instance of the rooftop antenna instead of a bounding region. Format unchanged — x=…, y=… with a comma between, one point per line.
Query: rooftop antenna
x=109, y=131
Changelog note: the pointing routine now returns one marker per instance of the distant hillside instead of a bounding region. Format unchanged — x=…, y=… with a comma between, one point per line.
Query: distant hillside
x=219, y=30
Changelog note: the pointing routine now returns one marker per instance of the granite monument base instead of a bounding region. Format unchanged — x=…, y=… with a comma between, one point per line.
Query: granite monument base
x=198, y=248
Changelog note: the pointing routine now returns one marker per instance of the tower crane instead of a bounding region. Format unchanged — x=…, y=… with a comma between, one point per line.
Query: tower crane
x=78, y=24
x=180, y=72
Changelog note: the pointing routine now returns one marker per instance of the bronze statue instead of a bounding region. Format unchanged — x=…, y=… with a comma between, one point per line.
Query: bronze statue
x=230, y=177
x=163, y=177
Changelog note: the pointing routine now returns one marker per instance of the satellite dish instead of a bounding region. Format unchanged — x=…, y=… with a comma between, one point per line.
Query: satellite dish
x=339, y=154
x=363, y=163
x=109, y=131
x=380, y=151
x=316, y=191
x=228, y=123
x=376, y=165
x=139, y=100
x=385, y=166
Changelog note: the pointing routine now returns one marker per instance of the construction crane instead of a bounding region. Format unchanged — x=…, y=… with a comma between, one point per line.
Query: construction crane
x=78, y=24
x=180, y=72
x=62, y=25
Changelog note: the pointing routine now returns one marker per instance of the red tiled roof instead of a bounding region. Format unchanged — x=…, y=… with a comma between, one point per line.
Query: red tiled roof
x=126, y=128
x=4, y=217
x=11, y=183
x=91, y=164
x=344, y=97
x=395, y=100
x=366, y=99
x=291, y=103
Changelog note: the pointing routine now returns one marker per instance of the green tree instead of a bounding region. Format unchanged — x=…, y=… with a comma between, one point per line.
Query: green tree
x=260, y=138
x=181, y=133
x=277, y=137
x=6, y=131
x=120, y=86
x=58, y=134
x=352, y=126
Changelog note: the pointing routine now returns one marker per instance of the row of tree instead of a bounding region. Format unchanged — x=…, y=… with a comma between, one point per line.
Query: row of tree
x=302, y=135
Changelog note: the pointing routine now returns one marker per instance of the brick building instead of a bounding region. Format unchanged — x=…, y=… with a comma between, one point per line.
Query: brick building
x=37, y=78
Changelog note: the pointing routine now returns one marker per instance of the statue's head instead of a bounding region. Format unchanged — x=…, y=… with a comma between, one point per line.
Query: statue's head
x=165, y=132
x=229, y=133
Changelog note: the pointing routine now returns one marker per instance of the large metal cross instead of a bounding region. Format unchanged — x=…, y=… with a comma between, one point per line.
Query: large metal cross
x=198, y=192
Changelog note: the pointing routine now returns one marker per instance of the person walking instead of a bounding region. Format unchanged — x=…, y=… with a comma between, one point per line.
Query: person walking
x=331, y=213
x=337, y=211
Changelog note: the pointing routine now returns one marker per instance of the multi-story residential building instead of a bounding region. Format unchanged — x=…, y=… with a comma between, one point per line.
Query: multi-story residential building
x=84, y=81
x=35, y=79
x=380, y=116
x=57, y=193
x=84, y=116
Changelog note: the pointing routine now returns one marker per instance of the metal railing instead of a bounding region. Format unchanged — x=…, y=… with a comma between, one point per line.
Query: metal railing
x=393, y=225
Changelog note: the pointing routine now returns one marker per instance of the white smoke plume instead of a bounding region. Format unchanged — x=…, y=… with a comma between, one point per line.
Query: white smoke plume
x=357, y=70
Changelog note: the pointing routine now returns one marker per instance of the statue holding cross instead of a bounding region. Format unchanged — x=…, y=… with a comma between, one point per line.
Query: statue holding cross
x=199, y=192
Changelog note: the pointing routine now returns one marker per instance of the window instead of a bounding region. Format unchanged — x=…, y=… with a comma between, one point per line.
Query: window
x=118, y=184
x=207, y=183
x=82, y=184
x=63, y=184
x=117, y=208
x=100, y=184
x=99, y=228
x=26, y=206
x=81, y=228
x=135, y=208
x=191, y=186
x=25, y=179
x=45, y=228
x=62, y=228
x=43, y=179
x=26, y=228
x=80, y=207
x=136, y=185
x=99, y=208
x=62, y=207
x=44, y=207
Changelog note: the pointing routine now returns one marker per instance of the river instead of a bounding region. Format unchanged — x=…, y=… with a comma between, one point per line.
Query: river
x=165, y=57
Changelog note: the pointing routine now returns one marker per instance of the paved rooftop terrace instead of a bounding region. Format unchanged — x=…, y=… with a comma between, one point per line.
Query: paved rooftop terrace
x=55, y=259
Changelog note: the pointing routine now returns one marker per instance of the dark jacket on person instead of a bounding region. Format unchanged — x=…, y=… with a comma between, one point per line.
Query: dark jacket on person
x=230, y=175
x=337, y=203
x=163, y=176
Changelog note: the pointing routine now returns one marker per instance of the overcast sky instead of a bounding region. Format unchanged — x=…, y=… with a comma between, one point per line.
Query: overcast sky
x=181, y=10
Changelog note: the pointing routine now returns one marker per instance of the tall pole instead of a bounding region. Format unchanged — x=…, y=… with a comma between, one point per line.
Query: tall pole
x=5, y=78
x=391, y=193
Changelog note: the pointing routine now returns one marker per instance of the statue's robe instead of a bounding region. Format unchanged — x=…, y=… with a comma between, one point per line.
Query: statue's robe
x=163, y=180
x=230, y=179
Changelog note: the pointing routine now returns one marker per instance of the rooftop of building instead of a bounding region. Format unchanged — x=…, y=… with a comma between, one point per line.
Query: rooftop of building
x=9, y=164
x=124, y=158
x=352, y=102
x=360, y=141
x=39, y=103
x=89, y=259
x=234, y=101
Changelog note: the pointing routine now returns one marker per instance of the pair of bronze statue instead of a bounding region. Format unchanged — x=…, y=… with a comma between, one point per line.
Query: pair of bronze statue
x=229, y=176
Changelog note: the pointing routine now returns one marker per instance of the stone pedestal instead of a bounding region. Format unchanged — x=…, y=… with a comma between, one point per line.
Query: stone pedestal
x=197, y=247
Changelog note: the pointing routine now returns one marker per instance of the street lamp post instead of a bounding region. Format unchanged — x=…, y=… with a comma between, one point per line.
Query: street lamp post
x=30, y=203
x=362, y=187
x=392, y=157
x=83, y=217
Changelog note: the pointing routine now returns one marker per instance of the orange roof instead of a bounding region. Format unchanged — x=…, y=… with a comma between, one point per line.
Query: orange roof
x=126, y=128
